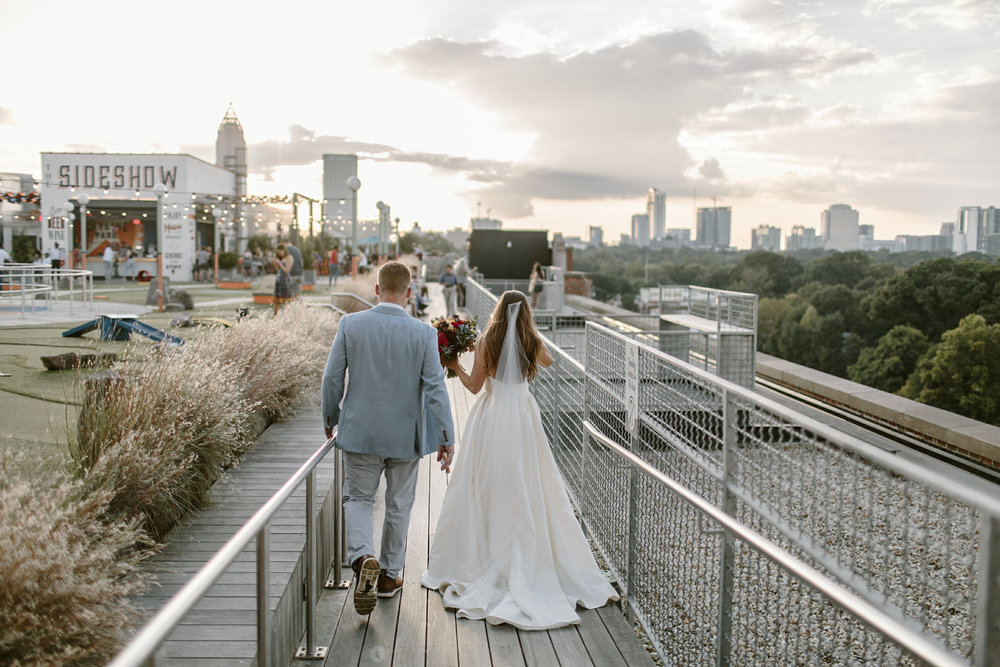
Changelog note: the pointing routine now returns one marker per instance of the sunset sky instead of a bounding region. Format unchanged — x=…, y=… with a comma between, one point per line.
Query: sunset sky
x=555, y=115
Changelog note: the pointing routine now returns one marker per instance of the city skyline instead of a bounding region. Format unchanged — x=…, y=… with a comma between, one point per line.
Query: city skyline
x=777, y=109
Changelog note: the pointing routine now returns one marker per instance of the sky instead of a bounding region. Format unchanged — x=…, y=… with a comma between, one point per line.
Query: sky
x=548, y=115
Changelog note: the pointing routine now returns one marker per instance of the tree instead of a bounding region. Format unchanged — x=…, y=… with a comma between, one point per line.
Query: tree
x=933, y=297
x=892, y=361
x=962, y=373
x=840, y=268
x=766, y=274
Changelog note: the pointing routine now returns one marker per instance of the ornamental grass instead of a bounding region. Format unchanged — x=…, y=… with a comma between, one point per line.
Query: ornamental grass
x=65, y=569
x=153, y=434
x=158, y=429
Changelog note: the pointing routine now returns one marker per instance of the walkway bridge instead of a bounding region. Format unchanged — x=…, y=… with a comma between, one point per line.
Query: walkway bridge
x=738, y=531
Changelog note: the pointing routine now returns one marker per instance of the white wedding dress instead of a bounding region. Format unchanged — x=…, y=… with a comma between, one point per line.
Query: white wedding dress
x=508, y=547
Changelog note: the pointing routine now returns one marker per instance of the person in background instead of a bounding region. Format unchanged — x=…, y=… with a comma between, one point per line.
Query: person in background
x=333, y=263
x=462, y=274
x=362, y=261
x=4, y=255
x=56, y=256
x=201, y=263
x=75, y=256
x=129, y=271
x=248, y=262
x=535, y=283
x=283, y=289
x=297, y=267
x=449, y=286
x=417, y=285
x=109, y=262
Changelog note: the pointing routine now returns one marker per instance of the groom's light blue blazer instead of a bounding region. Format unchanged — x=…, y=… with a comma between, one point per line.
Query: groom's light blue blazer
x=385, y=366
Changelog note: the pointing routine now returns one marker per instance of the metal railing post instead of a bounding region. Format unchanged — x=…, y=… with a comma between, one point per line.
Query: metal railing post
x=263, y=598
x=730, y=415
x=310, y=651
x=339, y=532
x=987, y=648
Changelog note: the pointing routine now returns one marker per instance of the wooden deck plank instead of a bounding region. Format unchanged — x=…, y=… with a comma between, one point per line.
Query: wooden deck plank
x=473, y=645
x=537, y=648
x=599, y=642
x=569, y=647
x=505, y=647
x=633, y=652
x=411, y=629
x=442, y=641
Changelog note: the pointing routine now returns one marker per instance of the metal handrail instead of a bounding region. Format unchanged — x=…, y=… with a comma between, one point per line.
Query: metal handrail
x=917, y=643
x=146, y=643
x=909, y=468
x=352, y=295
x=45, y=279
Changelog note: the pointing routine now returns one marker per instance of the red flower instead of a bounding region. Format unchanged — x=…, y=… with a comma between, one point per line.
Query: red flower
x=442, y=339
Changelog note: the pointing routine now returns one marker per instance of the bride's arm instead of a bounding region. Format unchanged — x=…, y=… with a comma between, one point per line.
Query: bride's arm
x=474, y=381
x=544, y=357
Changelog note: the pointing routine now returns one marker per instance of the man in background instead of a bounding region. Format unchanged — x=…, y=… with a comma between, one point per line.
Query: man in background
x=297, y=267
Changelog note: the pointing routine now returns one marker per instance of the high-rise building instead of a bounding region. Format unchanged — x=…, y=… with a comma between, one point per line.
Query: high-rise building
x=765, y=237
x=839, y=228
x=679, y=236
x=640, y=229
x=968, y=230
x=714, y=226
x=231, y=154
x=656, y=209
x=596, y=236
x=802, y=238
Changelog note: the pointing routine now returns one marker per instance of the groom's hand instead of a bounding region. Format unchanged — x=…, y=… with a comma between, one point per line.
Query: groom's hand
x=445, y=455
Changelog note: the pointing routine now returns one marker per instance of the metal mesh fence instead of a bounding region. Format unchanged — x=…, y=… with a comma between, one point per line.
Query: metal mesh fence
x=895, y=535
x=895, y=539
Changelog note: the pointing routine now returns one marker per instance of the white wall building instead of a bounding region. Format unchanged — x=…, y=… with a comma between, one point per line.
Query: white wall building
x=123, y=208
x=839, y=228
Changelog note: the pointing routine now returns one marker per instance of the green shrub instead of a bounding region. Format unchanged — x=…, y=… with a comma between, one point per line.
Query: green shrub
x=23, y=248
x=65, y=571
x=228, y=260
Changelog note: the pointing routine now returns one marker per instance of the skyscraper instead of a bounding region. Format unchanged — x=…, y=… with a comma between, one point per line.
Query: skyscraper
x=765, y=237
x=714, y=226
x=231, y=154
x=802, y=238
x=839, y=228
x=656, y=210
x=596, y=236
x=640, y=229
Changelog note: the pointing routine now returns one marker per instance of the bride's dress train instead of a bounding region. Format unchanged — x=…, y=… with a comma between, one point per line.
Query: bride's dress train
x=508, y=547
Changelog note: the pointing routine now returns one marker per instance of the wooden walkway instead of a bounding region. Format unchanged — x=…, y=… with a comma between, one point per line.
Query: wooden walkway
x=414, y=628
x=411, y=629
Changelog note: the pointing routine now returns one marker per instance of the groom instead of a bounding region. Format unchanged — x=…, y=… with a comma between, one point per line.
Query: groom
x=395, y=374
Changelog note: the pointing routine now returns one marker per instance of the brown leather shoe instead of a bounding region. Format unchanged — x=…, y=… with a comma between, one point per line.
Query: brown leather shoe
x=366, y=570
x=387, y=586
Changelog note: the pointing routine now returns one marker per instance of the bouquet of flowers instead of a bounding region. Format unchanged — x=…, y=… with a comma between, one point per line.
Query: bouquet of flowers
x=455, y=336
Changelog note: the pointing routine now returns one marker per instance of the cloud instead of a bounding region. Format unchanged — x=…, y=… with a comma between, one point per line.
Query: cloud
x=6, y=116
x=710, y=170
x=958, y=14
x=608, y=121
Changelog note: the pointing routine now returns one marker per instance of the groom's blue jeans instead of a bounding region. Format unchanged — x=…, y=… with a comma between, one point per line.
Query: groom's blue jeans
x=362, y=473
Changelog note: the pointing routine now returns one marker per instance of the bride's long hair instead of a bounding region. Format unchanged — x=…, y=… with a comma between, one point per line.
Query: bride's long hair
x=491, y=342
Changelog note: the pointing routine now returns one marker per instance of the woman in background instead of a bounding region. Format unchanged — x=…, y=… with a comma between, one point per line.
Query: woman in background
x=283, y=290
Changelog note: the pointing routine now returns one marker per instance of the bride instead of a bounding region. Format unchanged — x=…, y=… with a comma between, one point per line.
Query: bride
x=508, y=548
